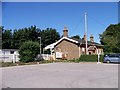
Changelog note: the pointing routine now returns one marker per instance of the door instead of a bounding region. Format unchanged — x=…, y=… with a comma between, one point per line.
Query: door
x=117, y=58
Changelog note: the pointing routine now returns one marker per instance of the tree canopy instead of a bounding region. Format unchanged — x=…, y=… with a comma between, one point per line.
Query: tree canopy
x=75, y=37
x=1, y=37
x=13, y=39
x=6, y=39
x=110, y=38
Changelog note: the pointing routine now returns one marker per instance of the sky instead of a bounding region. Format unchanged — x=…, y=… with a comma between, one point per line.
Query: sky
x=57, y=15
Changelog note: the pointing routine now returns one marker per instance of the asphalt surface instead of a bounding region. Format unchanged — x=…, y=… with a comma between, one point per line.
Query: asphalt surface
x=60, y=75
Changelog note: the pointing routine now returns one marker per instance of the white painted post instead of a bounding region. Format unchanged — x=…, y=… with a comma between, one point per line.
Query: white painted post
x=98, y=57
x=4, y=56
x=13, y=58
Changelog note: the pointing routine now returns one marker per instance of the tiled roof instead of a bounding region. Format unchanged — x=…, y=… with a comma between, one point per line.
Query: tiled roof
x=78, y=41
x=81, y=41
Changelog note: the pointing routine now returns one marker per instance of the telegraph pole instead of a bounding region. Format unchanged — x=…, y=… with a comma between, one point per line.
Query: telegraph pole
x=86, y=31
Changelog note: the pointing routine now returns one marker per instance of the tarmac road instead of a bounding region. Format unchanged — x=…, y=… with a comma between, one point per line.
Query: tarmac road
x=61, y=75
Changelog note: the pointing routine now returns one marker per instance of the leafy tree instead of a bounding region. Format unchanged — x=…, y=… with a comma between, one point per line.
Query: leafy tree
x=29, y=51
x=110, y=38
x=1, y=28
x=6, y=39
x=23, y=35
x=75, y=37
x=49, y=36
x=19, y=36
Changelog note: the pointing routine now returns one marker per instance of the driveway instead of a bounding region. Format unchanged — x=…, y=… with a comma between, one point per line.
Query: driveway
x=61, y=75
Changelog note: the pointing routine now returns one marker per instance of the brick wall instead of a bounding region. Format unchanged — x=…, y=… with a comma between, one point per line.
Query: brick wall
x=69, y=48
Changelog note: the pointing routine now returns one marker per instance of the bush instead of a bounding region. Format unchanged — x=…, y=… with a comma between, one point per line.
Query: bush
x=101, y=58
x=29, y=51
x=90, y=58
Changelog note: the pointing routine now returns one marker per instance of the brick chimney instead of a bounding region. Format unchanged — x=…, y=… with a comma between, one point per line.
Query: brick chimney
x=91, y=38
x=84, y=38
x=65, y=32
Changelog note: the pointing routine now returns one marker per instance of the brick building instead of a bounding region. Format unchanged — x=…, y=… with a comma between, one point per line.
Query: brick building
x=70, y=48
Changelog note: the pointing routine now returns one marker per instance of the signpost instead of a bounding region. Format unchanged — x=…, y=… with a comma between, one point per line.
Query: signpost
x=98, y=59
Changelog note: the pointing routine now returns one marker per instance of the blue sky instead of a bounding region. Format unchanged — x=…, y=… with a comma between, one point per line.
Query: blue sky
x=56, y=15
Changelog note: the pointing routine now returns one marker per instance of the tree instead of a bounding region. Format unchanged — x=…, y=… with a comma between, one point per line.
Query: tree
x=19, y=36
x=29, y=51
x=6, y=39
x=75, y=37
x=1, y=28
x=23, y=35
x=110, y=38
x=49, y=36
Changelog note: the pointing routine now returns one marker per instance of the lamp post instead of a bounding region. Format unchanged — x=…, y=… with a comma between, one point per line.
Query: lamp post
x=40, y=44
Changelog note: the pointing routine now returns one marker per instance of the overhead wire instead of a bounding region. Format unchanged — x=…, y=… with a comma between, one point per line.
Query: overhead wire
x=78, y=24
x=90, y=17
x=99, y=22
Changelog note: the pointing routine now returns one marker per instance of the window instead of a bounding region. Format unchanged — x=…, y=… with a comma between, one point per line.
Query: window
x=11, y=52
x=117, y=56
x=112, y=55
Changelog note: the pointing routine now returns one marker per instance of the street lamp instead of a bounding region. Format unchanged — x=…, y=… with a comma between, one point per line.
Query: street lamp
x=40, y=44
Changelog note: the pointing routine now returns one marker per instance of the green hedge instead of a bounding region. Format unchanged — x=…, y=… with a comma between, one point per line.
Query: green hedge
x=90, y=58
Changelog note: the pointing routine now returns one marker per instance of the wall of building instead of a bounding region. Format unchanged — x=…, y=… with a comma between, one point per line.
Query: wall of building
x=82, y=50
x=6, y=56
x=68, y=49
x=100, y=51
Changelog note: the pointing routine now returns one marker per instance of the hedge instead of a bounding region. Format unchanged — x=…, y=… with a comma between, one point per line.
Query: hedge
x=90, y=58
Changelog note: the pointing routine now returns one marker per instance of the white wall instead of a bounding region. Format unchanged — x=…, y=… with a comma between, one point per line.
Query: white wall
x=5, y=56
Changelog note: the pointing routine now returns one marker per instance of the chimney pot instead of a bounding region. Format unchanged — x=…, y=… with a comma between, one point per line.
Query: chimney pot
x=65, y=32
x=91, y=38
x=84, y=37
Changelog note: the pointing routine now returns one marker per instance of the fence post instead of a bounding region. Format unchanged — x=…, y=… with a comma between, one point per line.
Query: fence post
x=13, y=58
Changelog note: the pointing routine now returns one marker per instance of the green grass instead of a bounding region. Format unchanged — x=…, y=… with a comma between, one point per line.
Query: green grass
x=7, y=64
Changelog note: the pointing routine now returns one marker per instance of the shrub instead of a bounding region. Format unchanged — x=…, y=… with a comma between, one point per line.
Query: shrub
x=101, y=58
x=29, y=51
x=91, y=58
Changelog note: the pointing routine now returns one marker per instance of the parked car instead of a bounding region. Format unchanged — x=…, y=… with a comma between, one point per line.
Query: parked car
x=112, y=58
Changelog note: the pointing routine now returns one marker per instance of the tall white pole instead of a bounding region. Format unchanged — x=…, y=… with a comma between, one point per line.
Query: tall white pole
x=86, y=30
